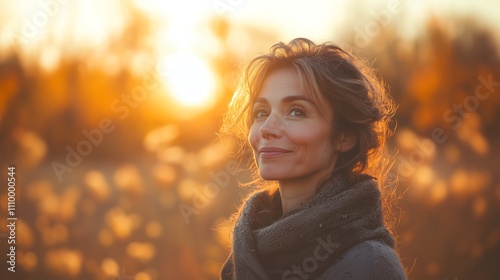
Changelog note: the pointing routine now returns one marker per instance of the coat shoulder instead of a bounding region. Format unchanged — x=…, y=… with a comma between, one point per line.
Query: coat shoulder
x=370, y=260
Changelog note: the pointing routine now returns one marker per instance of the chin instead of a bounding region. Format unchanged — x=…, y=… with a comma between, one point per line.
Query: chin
x=271, y=175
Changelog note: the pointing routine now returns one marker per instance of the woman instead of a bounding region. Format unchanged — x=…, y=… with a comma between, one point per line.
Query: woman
x=316, y=119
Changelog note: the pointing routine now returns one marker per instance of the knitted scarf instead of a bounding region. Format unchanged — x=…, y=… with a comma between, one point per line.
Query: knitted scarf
x=304, y=243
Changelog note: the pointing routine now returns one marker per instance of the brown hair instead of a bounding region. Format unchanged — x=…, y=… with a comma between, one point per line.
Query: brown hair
x=361, y=106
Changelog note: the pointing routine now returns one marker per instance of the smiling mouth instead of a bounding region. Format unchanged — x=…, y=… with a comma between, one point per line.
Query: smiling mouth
x=272, y=152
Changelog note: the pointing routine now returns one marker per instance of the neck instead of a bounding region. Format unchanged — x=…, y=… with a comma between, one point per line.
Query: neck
x=295, y=193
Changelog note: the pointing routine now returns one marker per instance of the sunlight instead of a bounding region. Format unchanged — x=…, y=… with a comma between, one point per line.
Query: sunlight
x=189, y=80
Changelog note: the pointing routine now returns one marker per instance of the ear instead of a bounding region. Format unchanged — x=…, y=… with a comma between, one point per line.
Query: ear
x=346, y=142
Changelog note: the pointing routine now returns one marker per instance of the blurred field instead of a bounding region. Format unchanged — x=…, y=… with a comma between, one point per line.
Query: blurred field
x=120, y=173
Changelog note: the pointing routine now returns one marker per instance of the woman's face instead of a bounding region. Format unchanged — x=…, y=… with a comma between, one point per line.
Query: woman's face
x=290, y=137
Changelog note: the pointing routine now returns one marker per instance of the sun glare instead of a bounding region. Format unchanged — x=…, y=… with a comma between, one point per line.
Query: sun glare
x=189, y=80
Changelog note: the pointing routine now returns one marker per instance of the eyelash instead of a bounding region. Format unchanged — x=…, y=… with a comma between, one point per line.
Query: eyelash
x=300, y=110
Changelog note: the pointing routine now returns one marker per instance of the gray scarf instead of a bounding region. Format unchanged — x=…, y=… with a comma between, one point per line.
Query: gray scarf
x=305, y=242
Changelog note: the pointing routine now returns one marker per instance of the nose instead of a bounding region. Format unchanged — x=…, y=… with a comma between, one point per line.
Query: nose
x=272, y=127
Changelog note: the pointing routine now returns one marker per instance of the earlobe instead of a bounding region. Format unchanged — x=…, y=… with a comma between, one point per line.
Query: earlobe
x=346, y=142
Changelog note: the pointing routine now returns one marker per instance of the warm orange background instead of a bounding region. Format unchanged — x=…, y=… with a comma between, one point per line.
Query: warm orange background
x=148, y=83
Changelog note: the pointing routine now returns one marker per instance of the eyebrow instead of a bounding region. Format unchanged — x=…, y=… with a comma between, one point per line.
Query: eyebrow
x=287, y=99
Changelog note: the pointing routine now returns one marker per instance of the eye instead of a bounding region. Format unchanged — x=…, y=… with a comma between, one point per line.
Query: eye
x=296, y=112
x=259, y=113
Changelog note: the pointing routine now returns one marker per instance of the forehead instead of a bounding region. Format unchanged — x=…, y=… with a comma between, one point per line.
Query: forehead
x=281, y=82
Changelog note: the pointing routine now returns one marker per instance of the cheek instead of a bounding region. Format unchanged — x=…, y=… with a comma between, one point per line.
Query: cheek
x=313, y=140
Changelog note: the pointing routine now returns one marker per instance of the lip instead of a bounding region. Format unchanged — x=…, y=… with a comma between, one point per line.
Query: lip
x=271, y=152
